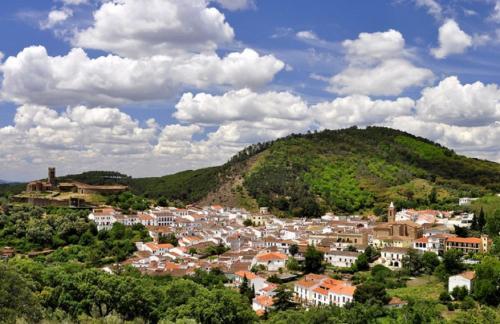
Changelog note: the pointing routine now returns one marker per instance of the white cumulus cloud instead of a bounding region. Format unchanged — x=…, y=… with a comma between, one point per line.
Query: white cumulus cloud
x=378, y=64
x=451, y=102
x=137, y=28
x=242, y=104
x=359, y=110
x=56, y=17
x=35, y=77
x=452, y=40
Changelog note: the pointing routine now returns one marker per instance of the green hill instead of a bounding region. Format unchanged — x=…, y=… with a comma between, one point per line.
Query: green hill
x=345, y=171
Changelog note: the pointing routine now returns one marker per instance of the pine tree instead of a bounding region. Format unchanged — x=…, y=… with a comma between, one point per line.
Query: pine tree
x=481, y=221
x=474, y=226
x=283, y=299
x=246, y=290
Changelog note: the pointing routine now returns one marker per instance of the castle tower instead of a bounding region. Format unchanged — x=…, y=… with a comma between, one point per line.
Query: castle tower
x=52, y=176
x=391, y=213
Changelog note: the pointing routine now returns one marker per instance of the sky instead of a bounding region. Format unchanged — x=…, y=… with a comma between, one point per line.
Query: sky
x=152, y=87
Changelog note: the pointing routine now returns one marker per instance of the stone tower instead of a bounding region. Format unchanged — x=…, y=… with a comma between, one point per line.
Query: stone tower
x=391, y=213
x=52, y=176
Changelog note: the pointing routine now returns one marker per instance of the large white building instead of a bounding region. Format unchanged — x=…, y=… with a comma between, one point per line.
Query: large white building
x=343, y=259
x=322, y=290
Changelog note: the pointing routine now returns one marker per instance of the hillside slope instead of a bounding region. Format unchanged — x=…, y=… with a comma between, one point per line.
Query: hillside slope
x=354, y=170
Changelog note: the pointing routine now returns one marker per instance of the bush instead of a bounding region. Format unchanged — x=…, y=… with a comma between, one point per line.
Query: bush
x=444, y=297
x=459, y=293
x=468, y=303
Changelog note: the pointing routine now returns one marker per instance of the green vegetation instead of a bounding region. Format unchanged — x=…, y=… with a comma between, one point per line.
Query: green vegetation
x=69, y=292
x=426, y=288
x=187, y=186
x=355, y=170
x=313, y=262
x=69, y=233
x=128, y=202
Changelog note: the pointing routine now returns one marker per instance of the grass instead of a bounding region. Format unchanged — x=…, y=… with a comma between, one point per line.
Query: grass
x=422, y=288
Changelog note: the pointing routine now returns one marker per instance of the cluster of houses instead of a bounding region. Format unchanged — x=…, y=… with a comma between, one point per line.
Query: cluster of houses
x=261, y=250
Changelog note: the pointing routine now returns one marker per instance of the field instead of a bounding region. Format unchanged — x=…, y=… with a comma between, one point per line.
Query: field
x=422, y=288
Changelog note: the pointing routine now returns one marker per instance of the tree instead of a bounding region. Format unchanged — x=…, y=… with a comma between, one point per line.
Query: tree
x=492, y=226
x=459, y=293
x=246, y=290
x=294, y=249
x=292, y=264
x=412, y=262
x=219, y=305
x=371, y=253
x=433, y=196
x=371, y=292
x=313, y=262
x=247, y=222
x=430, y=261
x=487, y=283
x=283, y=299
x=474, y=226
x=481, y=220
x=352, y=248
x=169, y=238
x=444, y=297
x=461, y=231
x=452, y=261
x=163, y=202
x=361, y=263
x=16, y=298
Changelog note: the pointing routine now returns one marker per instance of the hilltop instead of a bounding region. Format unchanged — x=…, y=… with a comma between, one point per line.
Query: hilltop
x=346, y=171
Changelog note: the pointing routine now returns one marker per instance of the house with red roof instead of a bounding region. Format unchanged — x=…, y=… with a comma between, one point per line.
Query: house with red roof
x=273, y=261
x=469, y=244
x=322, y=290
x=261, y=304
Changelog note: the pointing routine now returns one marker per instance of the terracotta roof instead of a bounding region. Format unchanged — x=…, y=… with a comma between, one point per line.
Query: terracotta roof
x=270, y=287
x=306, y=283
x=345, y=290
x=165, y=246
x=468, y=275
x=464, y=240
x=152, y=246
x=265, y=301
x=249, y=275
x=321, y=290
x=422, y=240
x=272, y=256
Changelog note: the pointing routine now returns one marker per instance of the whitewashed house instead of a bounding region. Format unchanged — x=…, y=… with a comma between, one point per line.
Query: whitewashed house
x=464, y=279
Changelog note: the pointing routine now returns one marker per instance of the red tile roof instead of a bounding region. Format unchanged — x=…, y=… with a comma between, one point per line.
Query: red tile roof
x=271, y=256
x=464, y=240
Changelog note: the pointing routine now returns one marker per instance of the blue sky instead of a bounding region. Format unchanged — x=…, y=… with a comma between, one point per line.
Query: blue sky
x=156, y=86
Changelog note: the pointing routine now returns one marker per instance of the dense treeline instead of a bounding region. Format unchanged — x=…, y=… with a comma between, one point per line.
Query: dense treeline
x=187, y=186
x=98, y=178
x=69, y=233
x=69, y=293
